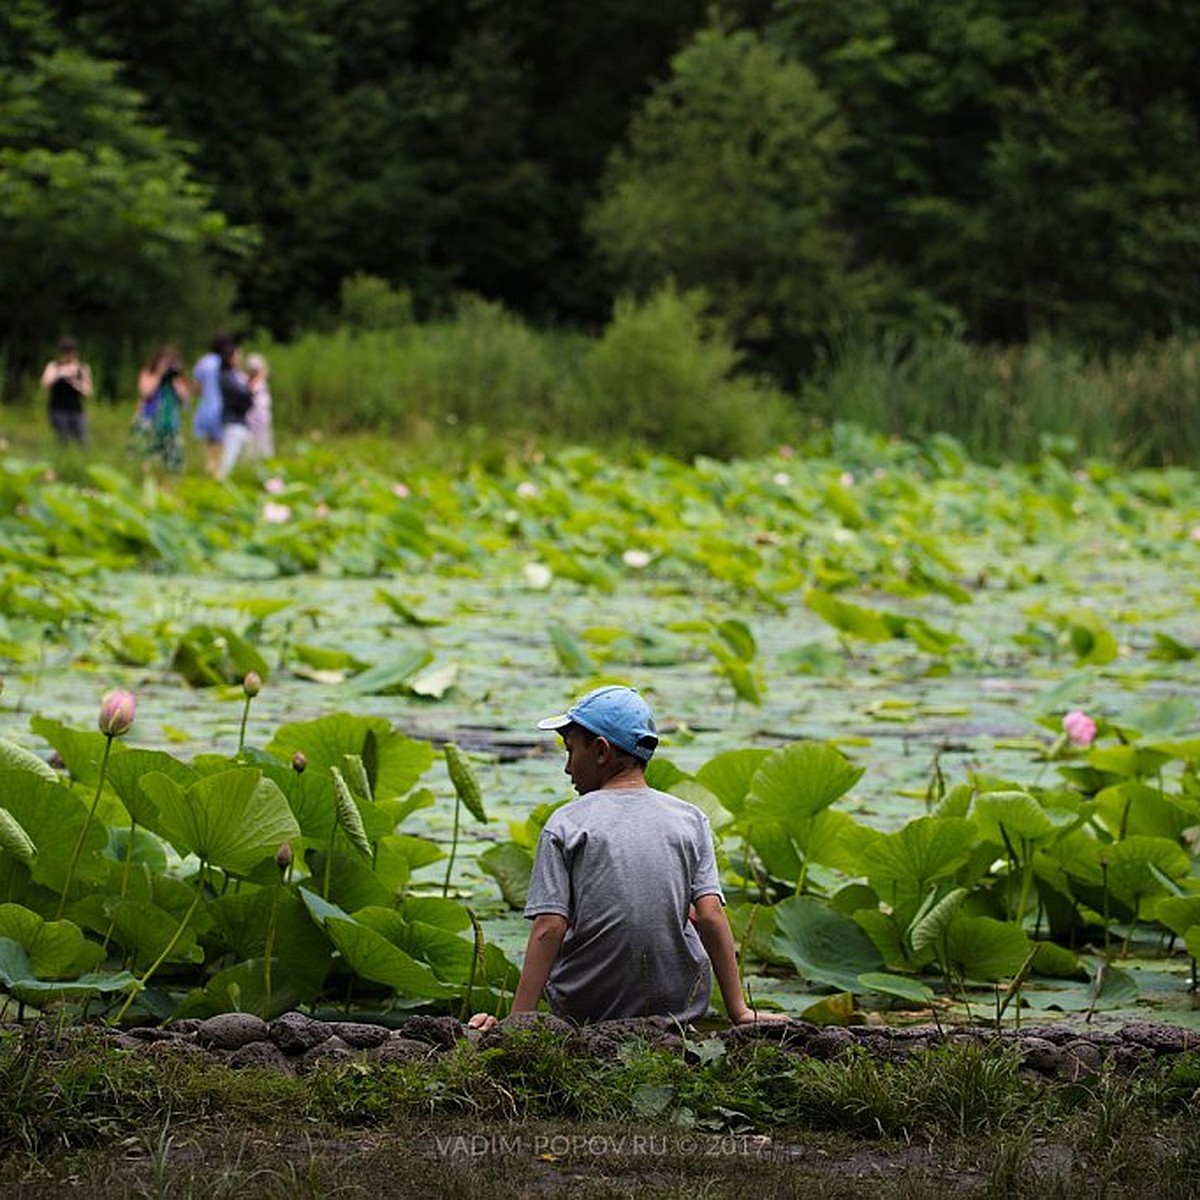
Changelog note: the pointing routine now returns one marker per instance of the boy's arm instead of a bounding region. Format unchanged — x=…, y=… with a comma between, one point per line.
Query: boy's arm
x=713, y=927
x=545, y=939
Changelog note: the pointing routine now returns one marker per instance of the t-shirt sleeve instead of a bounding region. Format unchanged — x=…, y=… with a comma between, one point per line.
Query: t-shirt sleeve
x=706, y=881
x=550, y=883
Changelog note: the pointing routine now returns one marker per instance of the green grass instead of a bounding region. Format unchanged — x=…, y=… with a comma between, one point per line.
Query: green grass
x=537, y=1112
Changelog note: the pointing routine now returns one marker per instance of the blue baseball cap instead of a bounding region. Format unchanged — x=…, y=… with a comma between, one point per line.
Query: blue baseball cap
x=618, y=714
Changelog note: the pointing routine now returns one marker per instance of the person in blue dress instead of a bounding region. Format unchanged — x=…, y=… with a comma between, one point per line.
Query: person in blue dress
x=207, y=422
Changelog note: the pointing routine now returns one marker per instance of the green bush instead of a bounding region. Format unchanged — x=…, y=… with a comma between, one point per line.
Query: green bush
x=663, y=377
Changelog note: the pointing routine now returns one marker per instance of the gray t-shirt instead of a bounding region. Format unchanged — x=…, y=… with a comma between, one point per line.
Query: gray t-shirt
x=622, y=865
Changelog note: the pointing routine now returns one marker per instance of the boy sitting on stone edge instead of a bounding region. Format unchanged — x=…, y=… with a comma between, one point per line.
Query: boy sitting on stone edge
x=627, y=910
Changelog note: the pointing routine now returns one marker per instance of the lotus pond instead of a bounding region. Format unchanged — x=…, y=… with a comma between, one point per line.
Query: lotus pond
x=861, y=654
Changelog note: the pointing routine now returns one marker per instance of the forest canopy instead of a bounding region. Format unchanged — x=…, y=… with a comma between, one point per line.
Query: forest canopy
x=1004, y=170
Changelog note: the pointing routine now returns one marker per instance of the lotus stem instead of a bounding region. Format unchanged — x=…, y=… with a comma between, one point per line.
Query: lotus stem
x=77, y=849
x=140, y=985
x=453, y=846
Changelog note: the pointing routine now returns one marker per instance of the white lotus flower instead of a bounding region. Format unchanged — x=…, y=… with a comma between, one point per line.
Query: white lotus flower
x=527, y=489
x=637, y=559
x=538, y=575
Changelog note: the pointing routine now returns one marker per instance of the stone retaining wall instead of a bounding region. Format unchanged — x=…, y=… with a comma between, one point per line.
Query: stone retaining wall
x=297, y=1043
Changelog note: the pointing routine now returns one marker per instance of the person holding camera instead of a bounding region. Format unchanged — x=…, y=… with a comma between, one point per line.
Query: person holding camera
x=163, y=390
x=68, y=382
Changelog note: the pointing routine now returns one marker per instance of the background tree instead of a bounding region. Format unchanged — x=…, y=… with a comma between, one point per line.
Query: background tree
x=1031, y=166
x=729, y=185
x=103, y=223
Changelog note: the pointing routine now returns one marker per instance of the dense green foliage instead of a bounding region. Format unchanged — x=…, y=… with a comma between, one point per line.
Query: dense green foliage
x=1005, y=170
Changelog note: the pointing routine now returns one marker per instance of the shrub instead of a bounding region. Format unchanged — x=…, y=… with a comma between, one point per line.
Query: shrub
x=661, y=376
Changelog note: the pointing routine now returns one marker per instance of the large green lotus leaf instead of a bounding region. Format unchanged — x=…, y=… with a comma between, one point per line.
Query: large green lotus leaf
x=53, y=816
x=370, y=954
x=1132, y=864
x=435, y=910
x=885, y=933
x=14, y=840
x=17, y=758
x=391, y=866
x=242, y=920
x=902, y=987
x=448, y=955
x=352, y=882
x=849, y=618
x=925, y=849
x=773, y=845
x=1177, y=913
x=232, y=820
x=933, y=920
x=312, y=800
x=147, y=930
x=394, y=762
x=835, y=839
x=17, y=975
x=391, y=677
x=1133, y=807
x=824, y=945
x=1016, y=815
x=798, y=780
x=511, y=866
x=210, y=655
x=728, y=775
x=1090, y=639
x=81, y=749
x=243, y=988
x=56, y=949
x=1057, y=962
x=1128, y=762
x=397, y=811
x=125, y=772
x=984, y=948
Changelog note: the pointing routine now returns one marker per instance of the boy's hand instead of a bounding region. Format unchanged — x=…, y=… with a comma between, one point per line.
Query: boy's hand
x=754, y=1016
x=482, y=1021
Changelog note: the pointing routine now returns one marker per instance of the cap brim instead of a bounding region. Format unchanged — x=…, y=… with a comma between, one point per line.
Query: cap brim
x=559, y=722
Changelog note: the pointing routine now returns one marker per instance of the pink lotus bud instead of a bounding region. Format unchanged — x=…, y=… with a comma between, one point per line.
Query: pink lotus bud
x=283, y=856
x=1080, y=728
x=116, y=713
x=299, y=762
x=252, y=684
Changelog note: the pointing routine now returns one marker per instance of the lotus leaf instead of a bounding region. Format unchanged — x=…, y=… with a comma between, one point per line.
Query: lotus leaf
x=399, y=761
x=369, y=954
x=798, y=781
x=824, y=945
x=232, y=820
x=984, y=948
x=56, y=949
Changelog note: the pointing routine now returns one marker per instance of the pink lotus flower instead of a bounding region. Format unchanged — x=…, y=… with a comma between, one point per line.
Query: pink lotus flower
x=400, y=491
x=1080, y=728
x=276, y=514
x=117, y=710
x=321, y=511
x=274, y=485
x=252, y=684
